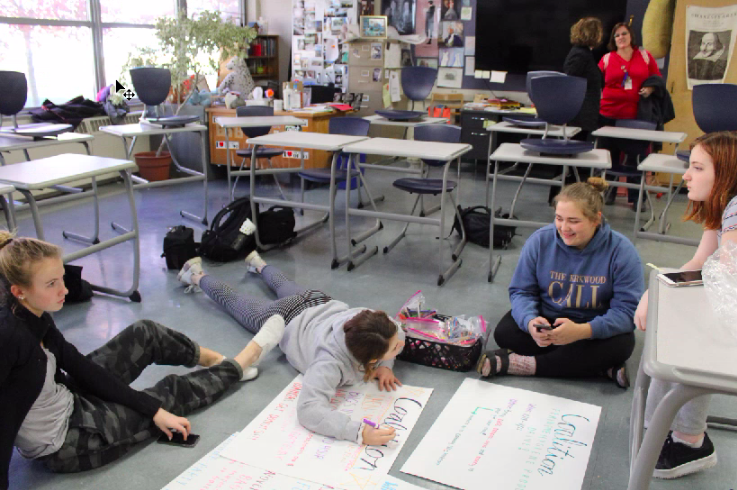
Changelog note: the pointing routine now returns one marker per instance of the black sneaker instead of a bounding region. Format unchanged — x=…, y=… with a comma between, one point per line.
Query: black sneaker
x=677, y=459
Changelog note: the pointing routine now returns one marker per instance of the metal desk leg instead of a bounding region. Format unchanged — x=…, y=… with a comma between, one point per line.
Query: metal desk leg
x=664, y=225
x=456, y=262
x=227, y=164
x=519, y=190
x=639, y=206
x=647, y=456
x=34, y=213
x=637, y=414
x=94, y=239
x=359, y=256
x=203, y=156
x=493, y=263
x=9, y=214
x=252, y=190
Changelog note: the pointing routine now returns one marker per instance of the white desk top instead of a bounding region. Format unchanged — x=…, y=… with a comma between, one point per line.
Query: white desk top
x=554, y=131
x=688, y=334
x=138, y=129
x=640, y=134
x=59, y=169
x=14, y=142
x=512, y=152
x=428, y=150
x=382, y=121
x=6, y=189
x=656, y=162
x=306, y=140
x=258, y=121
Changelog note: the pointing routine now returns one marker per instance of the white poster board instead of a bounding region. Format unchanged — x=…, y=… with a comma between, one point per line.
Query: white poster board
x=515, y=439
x=213, y=472
x=276, y=441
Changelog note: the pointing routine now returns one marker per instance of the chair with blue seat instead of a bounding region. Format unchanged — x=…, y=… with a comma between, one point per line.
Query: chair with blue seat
x=262, y=152
x=424, y=185
x=558, y=99
x=349, y=126
x=631, y=149
x=152, y=86
x=13, y=97
x=529, y=120
x=417, y=82
x=712, y=110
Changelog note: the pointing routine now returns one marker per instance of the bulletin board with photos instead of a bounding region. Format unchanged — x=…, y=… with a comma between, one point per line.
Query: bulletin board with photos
x=318, y=55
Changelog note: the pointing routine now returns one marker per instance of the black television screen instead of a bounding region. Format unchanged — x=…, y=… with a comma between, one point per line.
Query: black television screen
x=518, y=36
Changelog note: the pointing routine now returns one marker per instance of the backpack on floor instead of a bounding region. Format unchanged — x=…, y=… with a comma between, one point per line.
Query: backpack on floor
x=476, y=222
x=224, y=241
x=276, y=225
x=179, y=246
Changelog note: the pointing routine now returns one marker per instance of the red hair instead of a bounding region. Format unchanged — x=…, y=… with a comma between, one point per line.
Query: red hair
x=722, y=148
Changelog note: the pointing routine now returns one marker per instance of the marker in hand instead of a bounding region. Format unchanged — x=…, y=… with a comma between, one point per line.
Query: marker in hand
x=376, y=425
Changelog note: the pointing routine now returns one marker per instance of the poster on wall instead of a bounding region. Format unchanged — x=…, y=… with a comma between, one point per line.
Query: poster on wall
x=450, y=77
x=710, y=38
x=400, y=14
x=452, y=57
x=428, y=24
x=452, y=36
x=451, y=10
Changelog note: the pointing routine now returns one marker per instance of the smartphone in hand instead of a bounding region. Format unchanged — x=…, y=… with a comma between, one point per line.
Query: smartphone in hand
x=178, y=439
x=682, y=278
x=542, y=326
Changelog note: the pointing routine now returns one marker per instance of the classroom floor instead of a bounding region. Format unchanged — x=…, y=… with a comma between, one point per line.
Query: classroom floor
x=384, y=282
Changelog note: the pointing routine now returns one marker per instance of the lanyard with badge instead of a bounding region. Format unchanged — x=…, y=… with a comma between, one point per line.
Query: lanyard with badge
x=627, y=80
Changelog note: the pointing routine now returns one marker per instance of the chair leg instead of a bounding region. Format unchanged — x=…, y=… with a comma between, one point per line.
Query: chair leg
x=464, y=238
x=403, y=233
x=235, y=184
x=276, y=181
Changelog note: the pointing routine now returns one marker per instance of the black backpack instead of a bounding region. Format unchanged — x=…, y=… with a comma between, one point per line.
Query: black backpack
x=223, y=242
x=276, y=225
x=476, y=222
x=179, y=246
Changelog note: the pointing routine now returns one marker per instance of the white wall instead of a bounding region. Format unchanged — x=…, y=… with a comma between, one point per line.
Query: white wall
x=278, y=13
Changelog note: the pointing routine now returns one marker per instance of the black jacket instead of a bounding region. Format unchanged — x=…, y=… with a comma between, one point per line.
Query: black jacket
x=580, y=63
x=657, y=108
x=23, y=371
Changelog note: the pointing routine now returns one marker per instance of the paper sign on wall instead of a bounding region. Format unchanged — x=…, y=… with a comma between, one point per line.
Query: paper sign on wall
x=276, y=441
x=394, y=89
x=498, y=76
x=470, y=66
x=515, y=438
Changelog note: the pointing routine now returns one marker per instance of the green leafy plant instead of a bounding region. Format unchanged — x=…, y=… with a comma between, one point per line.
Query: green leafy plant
x=192, y=46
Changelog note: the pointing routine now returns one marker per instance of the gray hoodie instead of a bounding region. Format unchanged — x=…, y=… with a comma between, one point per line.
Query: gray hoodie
x=314, y=343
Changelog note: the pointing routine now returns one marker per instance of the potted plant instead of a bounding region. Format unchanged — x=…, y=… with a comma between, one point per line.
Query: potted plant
x=189, y=47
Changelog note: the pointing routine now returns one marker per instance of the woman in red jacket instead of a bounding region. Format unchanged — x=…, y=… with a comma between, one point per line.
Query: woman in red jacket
x=625, y=68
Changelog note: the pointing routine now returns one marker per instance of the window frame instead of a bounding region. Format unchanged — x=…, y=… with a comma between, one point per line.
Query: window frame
x=95, y=24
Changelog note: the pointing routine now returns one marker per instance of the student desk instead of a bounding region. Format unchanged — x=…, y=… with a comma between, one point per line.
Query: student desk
x=656, y=162
x=683, y=344
x=133, y=131
x=510, y=152
x=7, y=190
x=228, y=123
x=304, y=141
x=13, y=142
x=46, y=172
x=507, y=127
x=651, y=136
x=425, y=150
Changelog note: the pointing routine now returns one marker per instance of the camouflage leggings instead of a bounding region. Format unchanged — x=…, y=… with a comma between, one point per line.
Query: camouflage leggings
x=101, y=432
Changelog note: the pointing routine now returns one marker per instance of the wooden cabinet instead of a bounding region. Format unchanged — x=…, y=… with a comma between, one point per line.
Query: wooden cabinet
x=316, y=123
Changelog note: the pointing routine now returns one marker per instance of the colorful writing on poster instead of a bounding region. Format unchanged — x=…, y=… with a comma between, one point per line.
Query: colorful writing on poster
x=275, y=441
x=213, y=472
x=515, y=438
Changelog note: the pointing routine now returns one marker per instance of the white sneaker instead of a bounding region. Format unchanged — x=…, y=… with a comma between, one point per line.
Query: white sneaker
x=249, y=373
x=191, y=267
x=254, y=262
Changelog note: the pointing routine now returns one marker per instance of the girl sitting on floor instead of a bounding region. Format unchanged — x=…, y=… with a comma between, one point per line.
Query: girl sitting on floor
x=573, y=293
x=77, y=412
x=711, y=179
x=331, y=344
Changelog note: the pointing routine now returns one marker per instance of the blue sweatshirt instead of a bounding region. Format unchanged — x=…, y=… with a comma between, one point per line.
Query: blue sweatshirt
x=600, y=285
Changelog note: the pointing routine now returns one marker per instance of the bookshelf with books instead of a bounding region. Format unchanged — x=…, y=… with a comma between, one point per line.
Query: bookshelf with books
x=263, y=58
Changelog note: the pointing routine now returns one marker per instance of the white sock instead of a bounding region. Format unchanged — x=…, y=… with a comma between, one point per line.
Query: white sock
x=694, y=445
x=270, y=334
x=249, y=373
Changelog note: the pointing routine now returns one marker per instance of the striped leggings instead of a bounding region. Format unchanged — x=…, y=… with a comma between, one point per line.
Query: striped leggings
x=292, y=299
